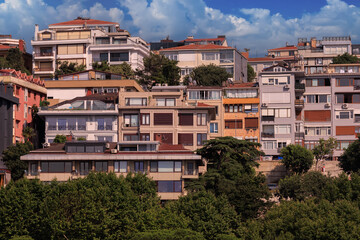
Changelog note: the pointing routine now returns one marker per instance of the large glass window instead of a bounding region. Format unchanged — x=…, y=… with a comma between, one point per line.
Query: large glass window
x=104, y=57
x=135, y=101
x=139, y=166
x=85, y=167
x=201, y=138
x=62, y=124
x=213, y=127
x=101, y=166
x=120, y=166
x=56, y=167
x=119, y=57
x=81, y=123
x=210, y=56
x=201, y=119
x=169, y=186
x=131, y=120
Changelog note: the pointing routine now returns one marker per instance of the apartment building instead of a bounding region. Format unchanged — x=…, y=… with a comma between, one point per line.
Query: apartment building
x=280, y=105
x=86, y=83
x=209, y=96
x=241, y=106
x=164, y=115
x=93, y=118
x=30, y=91
x=169, y=165
x=85, y=41
x=194, y=55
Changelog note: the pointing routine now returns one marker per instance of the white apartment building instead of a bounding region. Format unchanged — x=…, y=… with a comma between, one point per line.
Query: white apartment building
x=85, y=41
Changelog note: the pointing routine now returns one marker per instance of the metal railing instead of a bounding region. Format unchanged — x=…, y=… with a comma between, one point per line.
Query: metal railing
x=191, y=172
x=299, y=102
x=267, y=135
x=44, y=54
x=299, y=134
x=299, y=86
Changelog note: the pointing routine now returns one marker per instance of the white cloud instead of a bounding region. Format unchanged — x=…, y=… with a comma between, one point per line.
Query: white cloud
x=254, y=28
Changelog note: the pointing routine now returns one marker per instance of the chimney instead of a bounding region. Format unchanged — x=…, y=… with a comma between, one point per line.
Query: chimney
x=221, y=36
x=69, y=138
x=36, y=32
x=22, y=45
x=313, y=42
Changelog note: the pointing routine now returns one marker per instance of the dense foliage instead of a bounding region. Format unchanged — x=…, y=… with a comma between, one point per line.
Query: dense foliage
x=297, y=159
x=124, y=69
x=345, y=58
x=66, y=67
x=11, y=158
x=60, y=139
x=208, y=75
x=250, y=73
x=324, y=149
x=14, y=60
x=158, y=69
x=349, y=160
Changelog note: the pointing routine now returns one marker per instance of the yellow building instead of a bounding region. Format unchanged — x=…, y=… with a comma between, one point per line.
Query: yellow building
x=241, y=111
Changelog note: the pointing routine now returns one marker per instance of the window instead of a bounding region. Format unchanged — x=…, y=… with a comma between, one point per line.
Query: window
x=318, y=98
x=201, y=119
x=51, y=124
x=233, y=124
x=186, y=139
x=205, y=95
x=251, y=123
x=118, y=57
x=322, y=82
x=165, y=166
x=104, y=138
x=81, y=123
x=26, y=94
x=145, y=119
x=120, y=166
x=172, y=56
x=139, y=166
x=104, y=57
x=144, y=136
x=163, y=119
x=154, y=166
x=100, y=124
x=201, y=138
x=25, y=110
x=101, y=166
x=210, y=56
x=357, y=118
x=268, y=145
x=131, y=120
x=135, y=101
x=62, y=124
x=169, y=186
x=165, y=102
x=56, y=167
x=281, y=145
x=344, y=82
x=85, y=167
x=213, y=127
x=131, y=137
x=343, y=115
x=282, y=129
x=186, y=119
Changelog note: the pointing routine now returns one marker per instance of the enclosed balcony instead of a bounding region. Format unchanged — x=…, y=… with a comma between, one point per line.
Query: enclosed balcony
x=299, y=103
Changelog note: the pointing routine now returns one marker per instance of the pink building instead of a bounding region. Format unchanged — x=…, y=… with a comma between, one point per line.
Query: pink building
x=30, y=91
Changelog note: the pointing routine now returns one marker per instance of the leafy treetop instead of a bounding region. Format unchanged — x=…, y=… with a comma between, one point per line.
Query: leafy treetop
x=208, y=75
x=349, y=160
x=297, y=159
x=345, y=58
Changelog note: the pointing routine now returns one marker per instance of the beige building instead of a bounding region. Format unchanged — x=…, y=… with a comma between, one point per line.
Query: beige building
x=85, y=41
x=194, y=55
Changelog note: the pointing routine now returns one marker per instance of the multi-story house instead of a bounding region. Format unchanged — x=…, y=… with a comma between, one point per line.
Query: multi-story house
x=7, y=101
x=30, y=91
x=209, y=96
x=85, y=41
x=241, y=106
x=164, y=115
x=278, y=99
x=195, y=55
x=86, y=83
x=92, y=117
x=169, y=165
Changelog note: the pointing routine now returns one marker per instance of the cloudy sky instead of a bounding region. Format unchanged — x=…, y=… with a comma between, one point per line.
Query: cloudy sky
x=256, y=24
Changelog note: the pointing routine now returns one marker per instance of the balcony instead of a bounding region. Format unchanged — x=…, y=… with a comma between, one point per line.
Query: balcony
x=44, y=69
x=299, y=134
x=300, y=87
x=44, y=54
x=67, y=128
x=190, y=174
x=268, y=118
x=299, y=103
x=267, y=135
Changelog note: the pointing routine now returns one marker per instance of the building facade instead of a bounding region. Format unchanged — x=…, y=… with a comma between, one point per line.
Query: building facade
x=85, y=41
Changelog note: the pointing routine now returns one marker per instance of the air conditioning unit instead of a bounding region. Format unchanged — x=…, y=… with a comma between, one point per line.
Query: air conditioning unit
x=344, y=106
x=107, y=145
x=286, y=86
x=264, y=105
x=327, y=105
x=113, y=151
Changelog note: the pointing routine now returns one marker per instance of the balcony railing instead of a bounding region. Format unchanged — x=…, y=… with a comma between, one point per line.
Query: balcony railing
x=64, y=128
x=191, y=172
x=43, y=69
x=299, y=103
x=267, y=135
x=268, y=118
x=299, y=134
x=44, y=54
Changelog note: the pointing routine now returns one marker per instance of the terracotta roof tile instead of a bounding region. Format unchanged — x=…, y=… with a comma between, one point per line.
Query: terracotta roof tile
x=6, y=47
x=284, y=48
x=82, y=22
x=196, y=47
x=23, y=76
x=203, y=39
x=269, y=59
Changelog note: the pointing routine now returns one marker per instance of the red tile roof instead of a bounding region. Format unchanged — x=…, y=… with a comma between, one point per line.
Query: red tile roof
x=269, y=59
x=203, y=39
x=23, y=76
x=245, y=54
x=284, y=48
x=200, y=104
x=196, y=47
x=82, y=22
x=5, y=47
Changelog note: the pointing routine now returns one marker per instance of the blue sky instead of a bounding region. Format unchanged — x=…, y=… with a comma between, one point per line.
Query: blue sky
x=257, y=24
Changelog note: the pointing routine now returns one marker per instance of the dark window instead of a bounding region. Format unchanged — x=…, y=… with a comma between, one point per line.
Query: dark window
x=201, y=138
x=118, y=57
x=344, y=82
x=163, y=119
x=56, y=167
x=186, y=119
x=103, y=57
x=186, y=139
x=144, y=136
x=139, y=166
x=232, y=124
x=85, y=167
x=169, y=186
x=153, y=166
x=131, y=137
x=101, y=166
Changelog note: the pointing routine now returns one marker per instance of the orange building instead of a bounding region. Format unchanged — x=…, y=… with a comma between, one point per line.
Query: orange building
x=241, y=111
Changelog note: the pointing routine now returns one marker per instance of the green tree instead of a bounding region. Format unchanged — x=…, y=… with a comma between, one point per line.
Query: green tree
x=101, y=66
x=345, y=58
x=66, y=68
x=297, y=159
x=15, y=60
x=60, y=139
x=209, y=75
x=231, y=173
x=324, y=149
x=251, y=73
x=158, y=69
x=349, y=160
x=11, y=158
x=123, y=69
x=165, y=234
x=28, y=133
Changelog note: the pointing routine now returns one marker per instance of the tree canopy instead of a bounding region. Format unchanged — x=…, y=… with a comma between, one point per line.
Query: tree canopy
x=158, y=69
x=14, y=59
x=324, y=149
x=60, y=139
x=124, y=69
x=208, y=75
x=349, y=160
x=297, y=159
x=11, y=158
x=345, y=58
x=66, y=67
x=251, y=73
